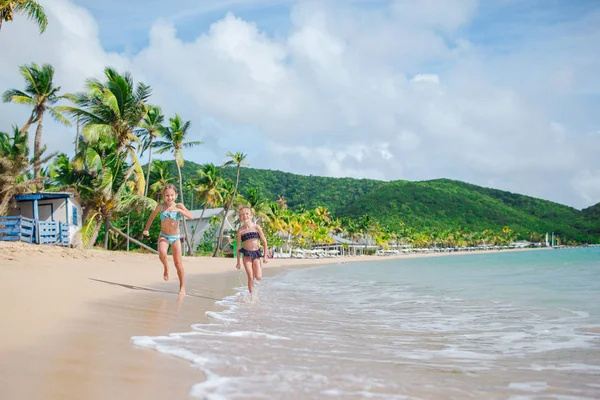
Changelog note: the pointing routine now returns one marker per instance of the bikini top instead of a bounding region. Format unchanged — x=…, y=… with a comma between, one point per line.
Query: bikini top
x=170, y=214
x=250, y=235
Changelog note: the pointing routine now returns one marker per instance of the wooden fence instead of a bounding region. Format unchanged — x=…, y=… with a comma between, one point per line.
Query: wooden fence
x=31, y=231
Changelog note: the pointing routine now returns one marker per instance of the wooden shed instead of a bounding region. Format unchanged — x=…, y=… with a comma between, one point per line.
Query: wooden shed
x=42, y=218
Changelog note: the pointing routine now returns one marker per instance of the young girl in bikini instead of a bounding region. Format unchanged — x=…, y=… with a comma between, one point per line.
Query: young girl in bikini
x=250, y=233
x=170, y=214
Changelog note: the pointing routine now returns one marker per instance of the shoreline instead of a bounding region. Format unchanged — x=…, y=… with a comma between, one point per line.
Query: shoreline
x=69, y=314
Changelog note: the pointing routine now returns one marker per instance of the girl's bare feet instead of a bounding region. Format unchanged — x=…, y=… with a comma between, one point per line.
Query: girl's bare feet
x=182, y=292
x=166, y=274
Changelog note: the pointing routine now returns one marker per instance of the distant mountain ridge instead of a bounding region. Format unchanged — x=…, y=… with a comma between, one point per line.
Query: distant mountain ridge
x=438, y=204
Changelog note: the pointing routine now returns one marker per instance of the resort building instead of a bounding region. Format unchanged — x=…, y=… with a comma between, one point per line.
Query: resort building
x=198, y=227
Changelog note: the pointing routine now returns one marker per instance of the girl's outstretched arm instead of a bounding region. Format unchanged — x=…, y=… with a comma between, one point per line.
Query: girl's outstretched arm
x=264, y=243
x=184, y=211
x=151, y=219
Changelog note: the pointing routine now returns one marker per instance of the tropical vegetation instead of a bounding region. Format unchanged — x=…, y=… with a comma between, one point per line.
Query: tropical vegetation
x=40, y=94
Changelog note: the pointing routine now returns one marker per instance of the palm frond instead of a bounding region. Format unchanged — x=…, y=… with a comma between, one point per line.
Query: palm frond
x=34, y=12
x=85, y=116
x=92, y=160
x=104, y=181
x=138, y=173
x=113, y=99
x=88, y=229
x=29, y=73
x=143, y=92
x=96, y=132
x=193, y=143
x=132, y=202
x=17, y=96
x=57, y=115
x=162, y=146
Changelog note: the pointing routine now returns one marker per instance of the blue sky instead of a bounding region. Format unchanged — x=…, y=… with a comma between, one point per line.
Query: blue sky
x=128, y=29
x=500, y=25
x=499, y=93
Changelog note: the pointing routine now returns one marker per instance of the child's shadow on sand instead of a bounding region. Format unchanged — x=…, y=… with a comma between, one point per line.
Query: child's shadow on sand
x=134, y=287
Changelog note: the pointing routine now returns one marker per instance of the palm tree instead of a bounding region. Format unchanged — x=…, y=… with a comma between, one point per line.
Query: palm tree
x=63, y=173
x=151, y=128
x=173, y=141
x=279, y=226
x=258, y=203
x=236, y=159
x=190, y=187
x=299, y=226
x=114, y=108
x=506, y=230
x=41, y=94
x=160, y=177
x=209, y=182
x=364, y=225
x=351, y=228
x=32, y=9
x=14, y=167
x=105, y=185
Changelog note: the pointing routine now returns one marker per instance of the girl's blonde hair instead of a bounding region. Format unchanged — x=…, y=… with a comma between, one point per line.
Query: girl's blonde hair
x=169, y=186
x=242, y=208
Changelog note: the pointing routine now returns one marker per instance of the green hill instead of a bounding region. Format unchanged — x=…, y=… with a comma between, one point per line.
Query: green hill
x=427, y=205
x=444, y=204
x=592, y=216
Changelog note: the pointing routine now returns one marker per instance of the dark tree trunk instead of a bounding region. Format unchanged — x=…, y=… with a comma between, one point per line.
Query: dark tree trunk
x=185, y=231
x=37, y=145
x=149, y=164
x=106, y=229
x=198, y=223
x=220, y=237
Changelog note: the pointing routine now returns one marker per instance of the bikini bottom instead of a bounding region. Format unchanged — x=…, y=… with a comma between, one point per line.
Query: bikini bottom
x=171, y=238
x=253, y=254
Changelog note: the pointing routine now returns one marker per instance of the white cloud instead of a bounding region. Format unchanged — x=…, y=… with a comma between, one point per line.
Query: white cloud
x=587, y=184
x=387, y=94
x=426, y=78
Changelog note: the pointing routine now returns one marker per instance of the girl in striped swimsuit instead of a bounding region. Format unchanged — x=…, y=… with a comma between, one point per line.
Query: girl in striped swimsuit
x=248, y=236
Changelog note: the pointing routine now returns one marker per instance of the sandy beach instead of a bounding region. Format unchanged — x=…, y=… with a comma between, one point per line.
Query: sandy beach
x=68, y=316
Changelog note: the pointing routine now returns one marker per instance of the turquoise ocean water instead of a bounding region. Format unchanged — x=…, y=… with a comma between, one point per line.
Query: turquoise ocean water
x=520, y=325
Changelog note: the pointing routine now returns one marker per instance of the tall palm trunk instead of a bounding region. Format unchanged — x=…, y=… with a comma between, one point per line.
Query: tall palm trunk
x=106, y=229
x=148, y=172
x=27, y=125
x=37, y=145
x=185, y=231
x=220, y=237
x=198, y=223
x=237, y=180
